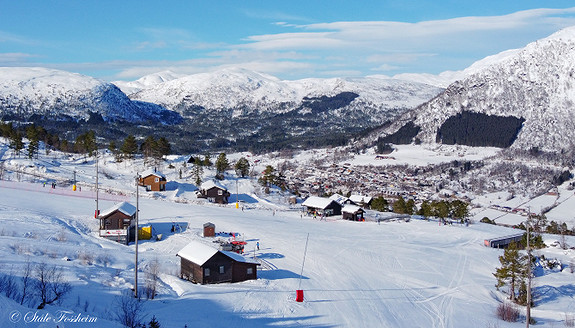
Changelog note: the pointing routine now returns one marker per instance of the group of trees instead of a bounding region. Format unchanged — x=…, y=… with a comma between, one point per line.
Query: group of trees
x=270, y=177
x=86, y=143
x=455, y=209
x=41, y=284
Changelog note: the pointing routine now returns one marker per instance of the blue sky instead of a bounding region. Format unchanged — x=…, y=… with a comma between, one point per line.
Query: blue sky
x=124, y=40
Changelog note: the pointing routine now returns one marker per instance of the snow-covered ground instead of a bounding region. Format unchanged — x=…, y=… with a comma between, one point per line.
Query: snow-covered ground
x=392, y=274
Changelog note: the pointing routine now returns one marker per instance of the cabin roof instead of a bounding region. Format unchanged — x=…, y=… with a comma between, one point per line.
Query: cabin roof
x=147, y=173
x=348, y=208
x=317, y=202
x=210, y=184
x=123, y=207
x=200, y=253
x=360, y=199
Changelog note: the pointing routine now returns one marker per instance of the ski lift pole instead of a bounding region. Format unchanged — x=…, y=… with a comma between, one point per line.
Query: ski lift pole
x=299, y=292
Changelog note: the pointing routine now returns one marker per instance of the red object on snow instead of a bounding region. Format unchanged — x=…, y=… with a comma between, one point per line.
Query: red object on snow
x=299, y=295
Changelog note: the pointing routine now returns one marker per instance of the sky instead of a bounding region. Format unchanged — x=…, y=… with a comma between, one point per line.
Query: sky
x=125, y=40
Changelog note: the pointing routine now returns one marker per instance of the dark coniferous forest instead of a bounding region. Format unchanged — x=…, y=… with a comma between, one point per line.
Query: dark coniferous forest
x=480, y=130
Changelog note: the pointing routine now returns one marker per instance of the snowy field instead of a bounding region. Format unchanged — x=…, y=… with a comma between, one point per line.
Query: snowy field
x=356, y=274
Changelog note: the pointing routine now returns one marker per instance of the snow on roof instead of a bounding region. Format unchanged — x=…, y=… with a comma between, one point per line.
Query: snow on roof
x=338, y=198
x=317, y=202
x=197, y=252
x=348, y=208
x=360, y=199
x=238, y=258
x=123, y=207
x=210, y=184
x=152, y=172
x=200, y=253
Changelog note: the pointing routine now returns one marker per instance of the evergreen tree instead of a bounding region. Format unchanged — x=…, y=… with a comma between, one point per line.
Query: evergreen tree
x=242, y=167
x=268, y=176
x=163, y=147
x=425, y=209
x=399, y=206
x=149, y=147
x=86, y=143
x=33, y=141
x=410, y=206
x=16, y=142
x=512, y=271
x=154, y=323
x=380, y=204
x=440, y=209
x=222, y=165
x=207, y=160
x=197, y=172
x=129, y=147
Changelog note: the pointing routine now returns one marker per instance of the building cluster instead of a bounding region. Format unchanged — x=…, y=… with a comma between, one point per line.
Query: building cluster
x=389, y=182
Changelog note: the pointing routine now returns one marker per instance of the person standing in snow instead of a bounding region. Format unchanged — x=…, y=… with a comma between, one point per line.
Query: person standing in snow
x=258, y=245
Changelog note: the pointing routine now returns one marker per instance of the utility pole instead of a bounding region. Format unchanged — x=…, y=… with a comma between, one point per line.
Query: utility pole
x=136, y=237
x=528, y=310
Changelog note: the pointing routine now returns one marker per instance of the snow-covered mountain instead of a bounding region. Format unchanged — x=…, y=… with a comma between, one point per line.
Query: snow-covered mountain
x=146, y=81
x=246, y=91
x=535, y=84
x=34, y=91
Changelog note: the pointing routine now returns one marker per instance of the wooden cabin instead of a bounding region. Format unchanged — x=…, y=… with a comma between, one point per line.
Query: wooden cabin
x=214, y=192
x=363, y=201
x=321, y=206
x=153, y=181
x=341, y=200
x=204, y=264
x=116, y=223
x=353, y=213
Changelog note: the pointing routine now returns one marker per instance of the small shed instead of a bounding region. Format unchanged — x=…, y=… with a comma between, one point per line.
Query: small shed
x=209, y=229
x=117, y=221
x=353, y=213
x=322, y=206
x=204, y=264
x=153, y=181
x=214, y=192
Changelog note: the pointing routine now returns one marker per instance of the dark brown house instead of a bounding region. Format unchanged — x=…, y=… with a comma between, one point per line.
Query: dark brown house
x=206, y=265
x=322, y=206
x=117, y=221
x=353, y=213
x=153, y=181
x=214, y=192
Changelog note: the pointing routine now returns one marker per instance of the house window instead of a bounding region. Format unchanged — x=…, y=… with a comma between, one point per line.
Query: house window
x=220, y=192
x=207, y=272
x=157, y=180
x=250, y=271
x=222, y=269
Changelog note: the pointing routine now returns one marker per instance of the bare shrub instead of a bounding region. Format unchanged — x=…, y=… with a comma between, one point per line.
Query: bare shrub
x=8, y=286
x=104, y=259
x=128, y=309
x=26, y=282
x=49, y=284
x=152, y=276
x=569, y=320
x=572, y=266
x=86, y=258
x=62, y=236
x=507, y=312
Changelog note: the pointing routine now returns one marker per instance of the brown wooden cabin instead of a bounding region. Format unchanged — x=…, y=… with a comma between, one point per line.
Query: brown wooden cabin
x=206, y=265
x=215, y=193
x=153, y=181
x=322, y=206
x=116, y=222
x=353, y=213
